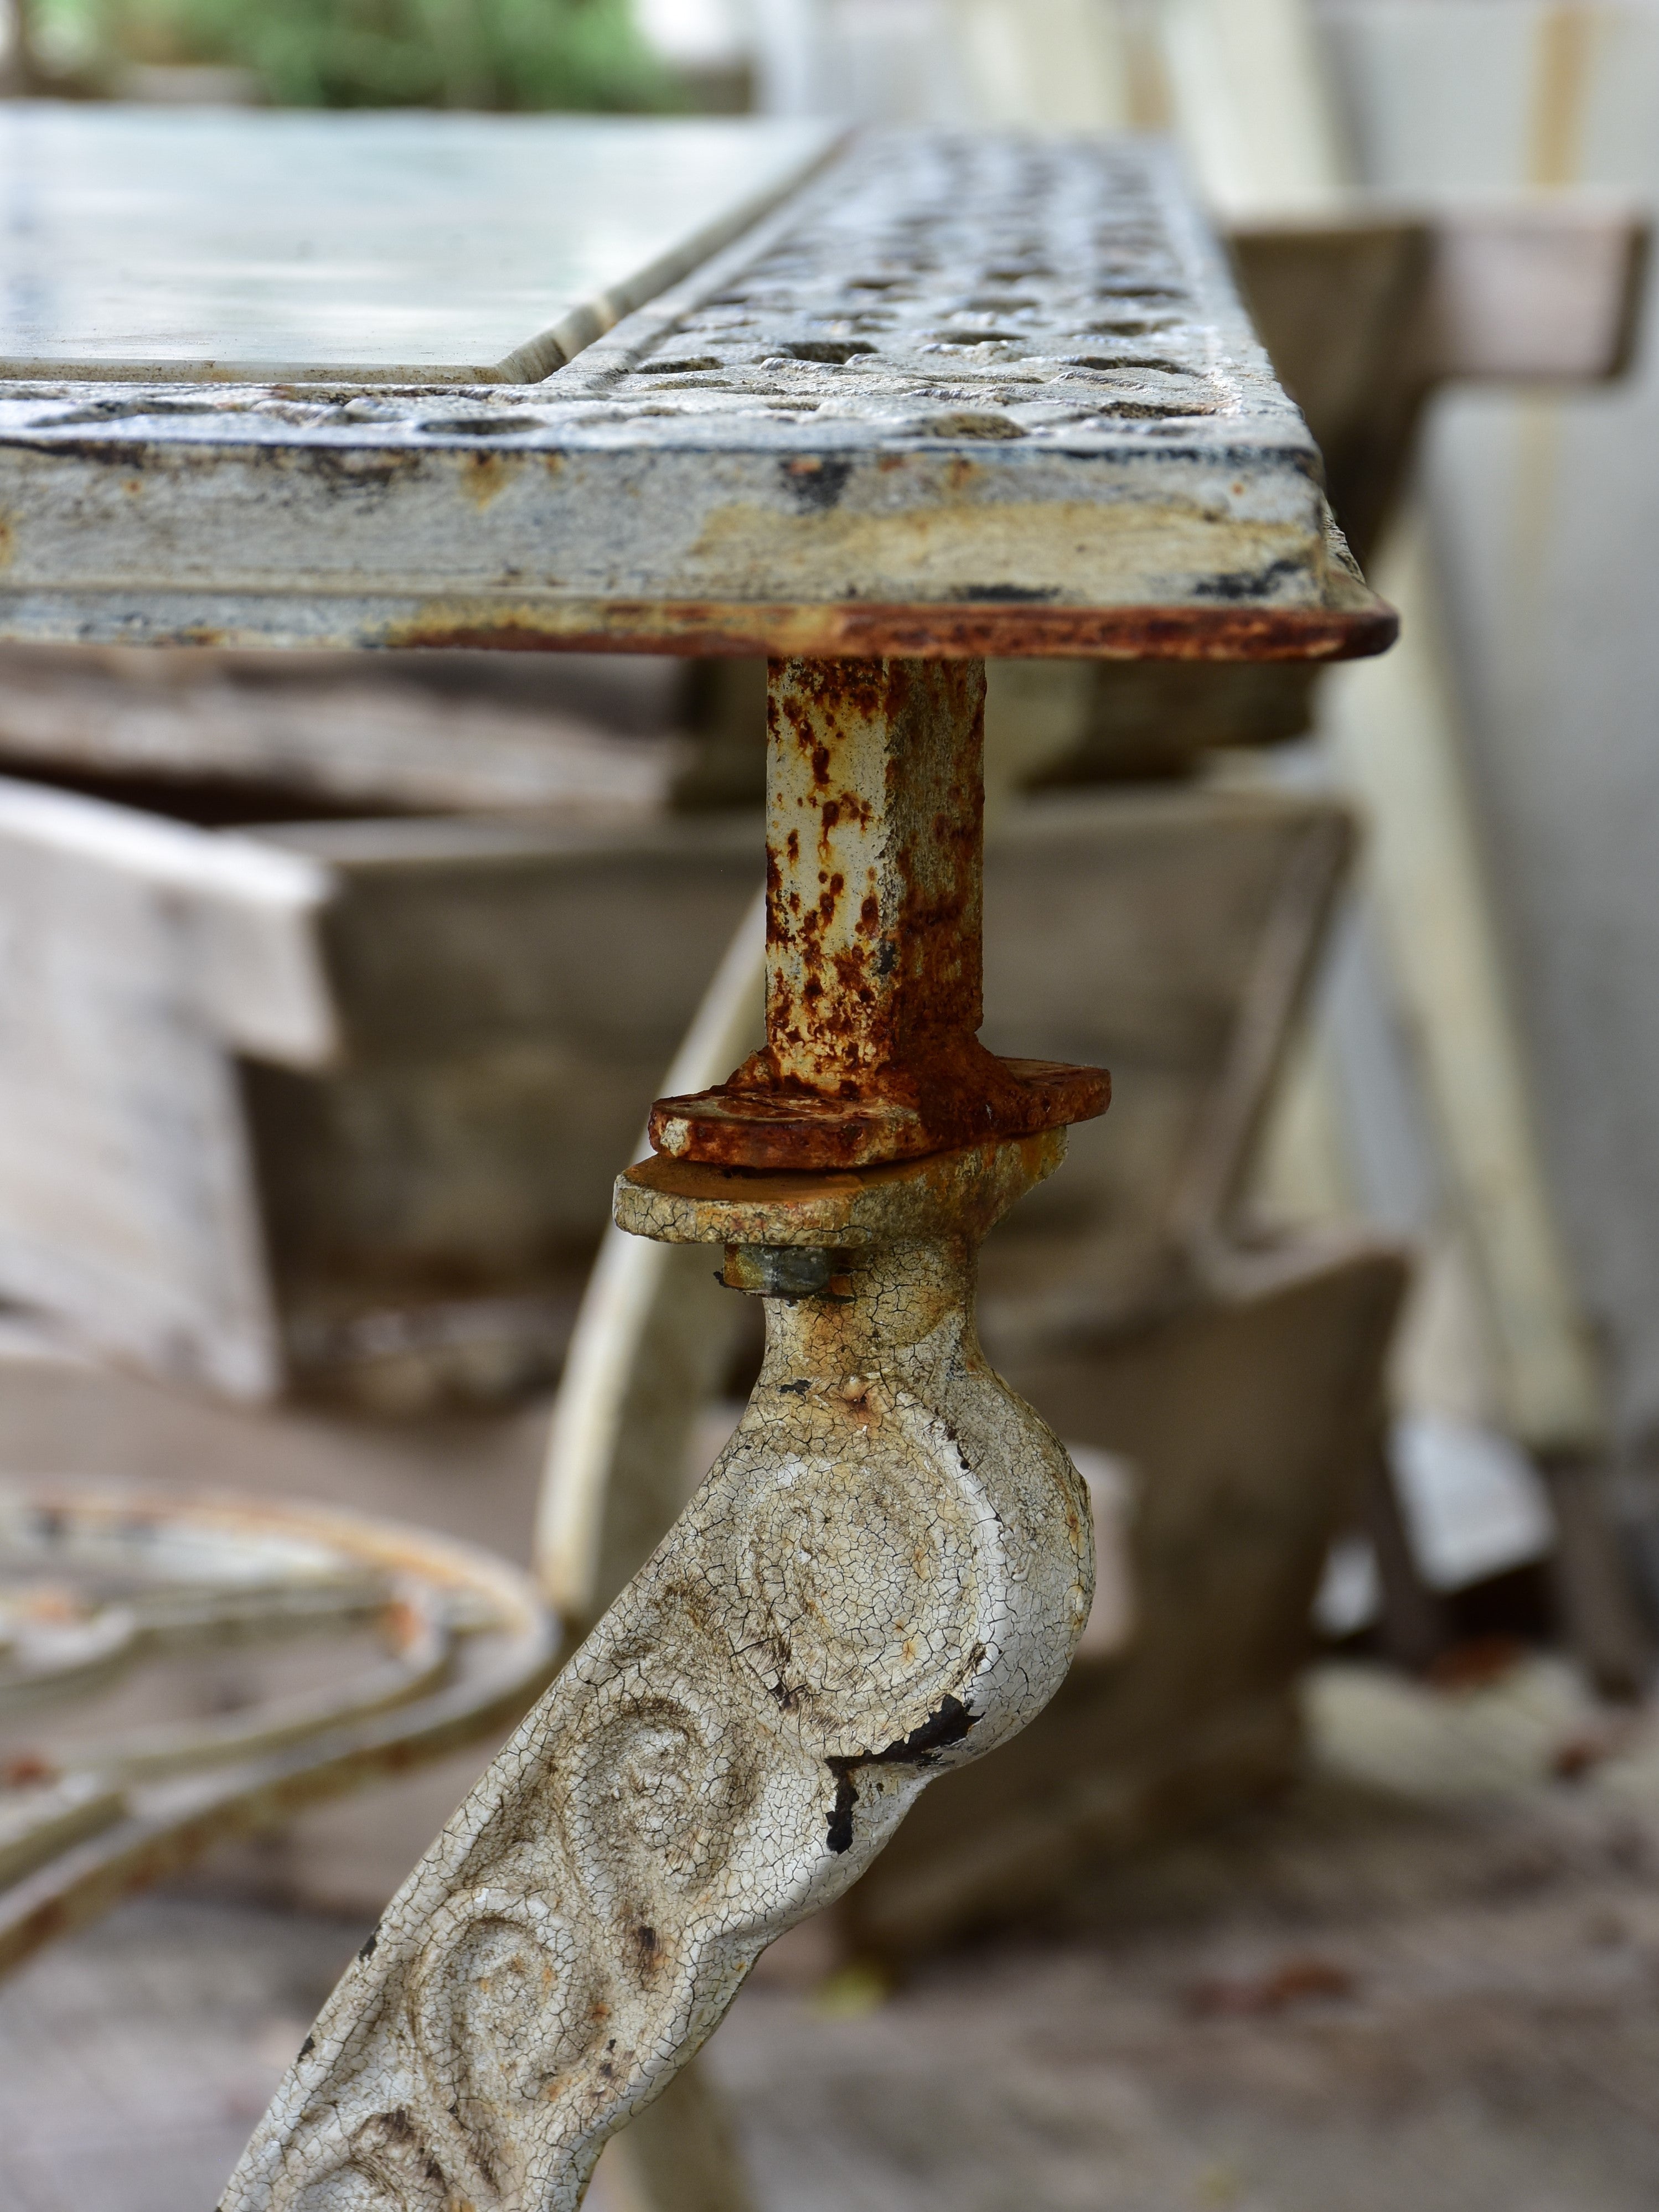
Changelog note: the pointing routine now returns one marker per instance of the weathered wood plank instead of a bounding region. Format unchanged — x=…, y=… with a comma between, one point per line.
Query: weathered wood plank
x=139, y=957
x=508, y=996
x=260, y=1096
x=1167, y=935
x=454, y=733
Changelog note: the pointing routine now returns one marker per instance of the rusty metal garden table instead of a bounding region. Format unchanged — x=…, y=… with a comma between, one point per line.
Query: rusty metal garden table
x=904, y=403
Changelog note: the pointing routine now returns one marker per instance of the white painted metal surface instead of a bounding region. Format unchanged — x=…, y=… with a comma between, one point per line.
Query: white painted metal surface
x=653, y=1330
x=161, y=243
x=1006, y=380
x=105, y=1784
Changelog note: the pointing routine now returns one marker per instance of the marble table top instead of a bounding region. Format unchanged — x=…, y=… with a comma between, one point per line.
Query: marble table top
x=197, y=243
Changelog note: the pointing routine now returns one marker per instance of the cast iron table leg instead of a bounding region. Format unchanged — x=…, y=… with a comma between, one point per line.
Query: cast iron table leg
x=885, y=1573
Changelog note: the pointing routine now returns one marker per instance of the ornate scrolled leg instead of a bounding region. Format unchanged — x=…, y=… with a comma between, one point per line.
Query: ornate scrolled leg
x=883, y=1574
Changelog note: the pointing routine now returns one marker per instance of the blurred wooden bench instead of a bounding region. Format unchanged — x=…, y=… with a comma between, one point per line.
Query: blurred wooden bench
x=334, y=1104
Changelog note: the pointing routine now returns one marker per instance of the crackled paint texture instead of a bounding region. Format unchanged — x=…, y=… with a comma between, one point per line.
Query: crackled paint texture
x=884, y=1574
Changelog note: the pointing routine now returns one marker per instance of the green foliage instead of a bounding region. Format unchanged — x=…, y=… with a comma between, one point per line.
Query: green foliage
x=379, y=53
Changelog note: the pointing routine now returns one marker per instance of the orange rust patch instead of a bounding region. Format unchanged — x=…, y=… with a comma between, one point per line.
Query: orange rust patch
x=874, y=963
x=963, y=629
x=484, y=476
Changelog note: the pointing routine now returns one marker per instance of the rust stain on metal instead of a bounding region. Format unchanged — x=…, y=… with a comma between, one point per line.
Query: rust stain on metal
x=956, y=630
x=874, y=836
x=485, y=475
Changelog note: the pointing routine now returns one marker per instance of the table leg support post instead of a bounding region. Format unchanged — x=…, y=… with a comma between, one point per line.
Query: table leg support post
x=884, y=1575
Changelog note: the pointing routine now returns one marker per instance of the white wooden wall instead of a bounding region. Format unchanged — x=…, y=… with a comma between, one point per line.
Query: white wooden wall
x=1541, y=512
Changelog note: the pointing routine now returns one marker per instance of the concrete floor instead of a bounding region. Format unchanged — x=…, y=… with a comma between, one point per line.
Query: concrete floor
x=1425, y=1981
